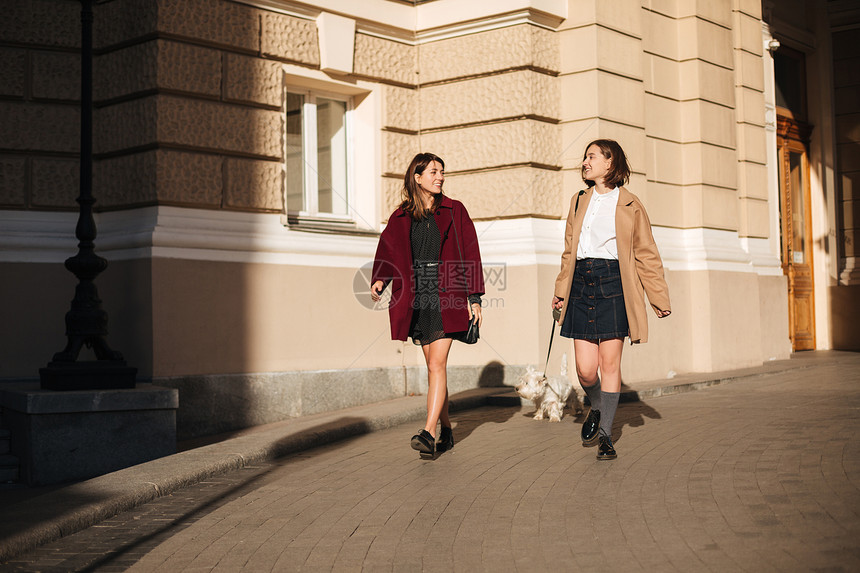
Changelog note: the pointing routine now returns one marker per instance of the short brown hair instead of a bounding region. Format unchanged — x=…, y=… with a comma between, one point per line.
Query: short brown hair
x=412, y=202
x=619, y=170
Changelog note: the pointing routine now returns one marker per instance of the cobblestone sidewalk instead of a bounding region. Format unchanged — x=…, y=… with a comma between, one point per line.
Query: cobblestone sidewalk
x=760, y=474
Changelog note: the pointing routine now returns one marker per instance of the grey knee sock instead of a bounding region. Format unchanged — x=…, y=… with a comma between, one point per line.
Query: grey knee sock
x=593, y=393
x=608, y=403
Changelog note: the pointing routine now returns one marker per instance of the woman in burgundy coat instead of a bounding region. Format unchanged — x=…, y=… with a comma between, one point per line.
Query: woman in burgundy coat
x=429, y=253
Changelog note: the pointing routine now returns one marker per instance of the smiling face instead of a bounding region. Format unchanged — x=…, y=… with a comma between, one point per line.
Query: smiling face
x=430, y=180
x=595, y=165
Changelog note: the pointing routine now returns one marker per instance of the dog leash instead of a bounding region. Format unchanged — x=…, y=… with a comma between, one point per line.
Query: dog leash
x=556, y=314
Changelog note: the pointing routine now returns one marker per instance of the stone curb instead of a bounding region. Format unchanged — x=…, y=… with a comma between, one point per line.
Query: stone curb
x=687, y=383
x=75, y=507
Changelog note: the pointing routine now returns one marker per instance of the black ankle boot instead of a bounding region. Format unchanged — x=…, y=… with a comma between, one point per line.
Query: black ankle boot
x=446, y=440
x=423, y=442
x=590, y=427
x=605, y=449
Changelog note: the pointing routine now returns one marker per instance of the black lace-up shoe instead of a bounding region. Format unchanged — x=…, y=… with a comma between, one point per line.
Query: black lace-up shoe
x=590, y=427
x=446, y=440
x=605, y=450
x=425, y=444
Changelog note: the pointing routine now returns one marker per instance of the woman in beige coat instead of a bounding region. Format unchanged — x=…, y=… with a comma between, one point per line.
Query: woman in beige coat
x=610, y=262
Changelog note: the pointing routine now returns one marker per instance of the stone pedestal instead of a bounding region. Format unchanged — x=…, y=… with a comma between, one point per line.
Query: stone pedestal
x=76, y=435
x=88, y=375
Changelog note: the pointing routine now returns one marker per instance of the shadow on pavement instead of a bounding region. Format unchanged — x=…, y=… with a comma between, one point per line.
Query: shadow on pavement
x=492, y=376
x=147, y=540
x=632, y=414
x=467, y=423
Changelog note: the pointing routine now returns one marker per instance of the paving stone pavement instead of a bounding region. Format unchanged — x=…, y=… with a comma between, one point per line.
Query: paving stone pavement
x=758, y=474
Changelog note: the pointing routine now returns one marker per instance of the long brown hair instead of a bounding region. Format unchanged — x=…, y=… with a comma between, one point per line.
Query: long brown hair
x=412, y=202
x=619, y=171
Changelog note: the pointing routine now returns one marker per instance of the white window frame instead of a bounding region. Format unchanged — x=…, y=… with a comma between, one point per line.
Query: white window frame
x=363, y=176
x=310, y=146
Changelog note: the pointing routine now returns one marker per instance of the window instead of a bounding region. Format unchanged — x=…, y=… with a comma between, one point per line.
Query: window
x=318, y=156
x=332, y=145
x=789, y=70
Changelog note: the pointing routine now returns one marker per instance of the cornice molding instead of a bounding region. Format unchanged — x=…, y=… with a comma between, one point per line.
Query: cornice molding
x=428, y=21
x=231, y=236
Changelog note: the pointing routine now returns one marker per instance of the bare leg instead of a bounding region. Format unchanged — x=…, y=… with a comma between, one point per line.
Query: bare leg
x=443, y=417
x=586, y=354
x=609, y=360
x=436, y=355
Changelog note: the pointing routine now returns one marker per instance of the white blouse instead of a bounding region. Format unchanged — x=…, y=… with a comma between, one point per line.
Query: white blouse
x=597, y=238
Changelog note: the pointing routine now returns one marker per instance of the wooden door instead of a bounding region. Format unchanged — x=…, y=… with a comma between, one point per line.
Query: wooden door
x=796, y=230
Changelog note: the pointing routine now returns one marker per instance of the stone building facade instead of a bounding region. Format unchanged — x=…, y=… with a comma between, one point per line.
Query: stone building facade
x=248, y=153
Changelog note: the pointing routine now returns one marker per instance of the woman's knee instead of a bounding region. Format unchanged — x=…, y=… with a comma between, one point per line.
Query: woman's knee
x=587, y=375
x=611, y=365
x=609, y=358
x=437, y=367
x=437, y=364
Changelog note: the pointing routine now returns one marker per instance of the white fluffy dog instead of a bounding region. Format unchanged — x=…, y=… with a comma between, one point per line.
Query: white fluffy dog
x=549, y=396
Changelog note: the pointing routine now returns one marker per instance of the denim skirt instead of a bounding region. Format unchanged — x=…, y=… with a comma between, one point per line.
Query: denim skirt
x=595, y=309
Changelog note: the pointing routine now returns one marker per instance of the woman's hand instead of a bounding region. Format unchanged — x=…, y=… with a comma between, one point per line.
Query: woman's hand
x=662, y=313
x=476, y=313
x=376, y=290
x=557, y=303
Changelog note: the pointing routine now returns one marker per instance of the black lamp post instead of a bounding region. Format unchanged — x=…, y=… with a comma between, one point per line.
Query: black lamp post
x=86, y=322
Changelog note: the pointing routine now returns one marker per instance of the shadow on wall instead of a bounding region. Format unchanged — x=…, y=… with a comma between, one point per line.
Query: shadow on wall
x=216, y=319
x=845, y=317
x=492, y=375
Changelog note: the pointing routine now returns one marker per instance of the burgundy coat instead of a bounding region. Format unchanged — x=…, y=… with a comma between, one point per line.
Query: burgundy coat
x=458, y=277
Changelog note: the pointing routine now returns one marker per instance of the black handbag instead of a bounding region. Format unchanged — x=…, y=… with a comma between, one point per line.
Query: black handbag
x=471, y=335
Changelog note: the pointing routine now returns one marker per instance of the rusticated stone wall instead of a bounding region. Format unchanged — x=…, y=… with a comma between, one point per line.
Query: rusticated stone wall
x=752, y=187
x=188, y=99
x=189, y=107
x=489, y=104
x=39, y=93
x=681, y=85
x=704, y=116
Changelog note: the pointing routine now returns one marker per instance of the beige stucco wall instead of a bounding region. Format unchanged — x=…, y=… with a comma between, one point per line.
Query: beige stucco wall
x=42, y=293
x=488, y=104
x=215, y=317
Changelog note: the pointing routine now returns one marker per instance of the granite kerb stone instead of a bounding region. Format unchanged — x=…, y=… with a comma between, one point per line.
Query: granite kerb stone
x=637, y=391
x=692, y=382
x=75, y=507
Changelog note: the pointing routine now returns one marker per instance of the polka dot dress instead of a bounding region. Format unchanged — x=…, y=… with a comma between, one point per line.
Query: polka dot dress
x=427, y=316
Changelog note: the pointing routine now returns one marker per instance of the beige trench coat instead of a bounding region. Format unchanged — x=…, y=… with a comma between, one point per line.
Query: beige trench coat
x=638, y=259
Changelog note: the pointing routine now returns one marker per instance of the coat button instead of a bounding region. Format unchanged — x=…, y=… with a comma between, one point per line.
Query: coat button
x=442, y=289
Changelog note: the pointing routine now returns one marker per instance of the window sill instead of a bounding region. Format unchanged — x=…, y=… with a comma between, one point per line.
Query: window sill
x=335, y=226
